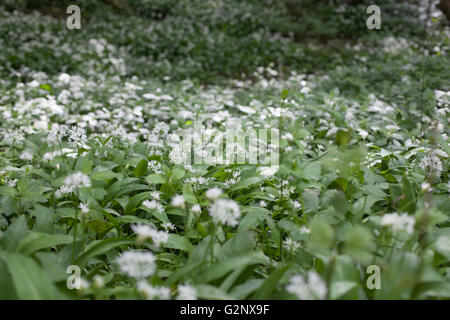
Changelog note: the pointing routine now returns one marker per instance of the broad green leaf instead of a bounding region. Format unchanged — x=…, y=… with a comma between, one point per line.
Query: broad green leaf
x=310, y=201
x=141, y=168
x=156, y=178
x=270, y=284
x=177, y=174
x=30, y=281
x=99, y=248
x=178, y=242
x=14, y=234
x=188, y=194
x=208, y=292
x=221, y=268
x=37, y=241
x=321, y=234
x=245, y=183
x=44, y=219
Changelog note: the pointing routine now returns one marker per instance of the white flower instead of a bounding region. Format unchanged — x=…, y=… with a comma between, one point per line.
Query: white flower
x=226, y=212
x=119, y=132
x=154, y=166
x=443, y=245
x=196, y=208
x=161, y=128
x=137, y=264
x=150, y=96
x=142, y=231
x=155, y=195
x=268, y=171
x=178, y=201
x=213, y=193
x=287, y=191
x=63, y=190
x=48, y=156
x=432, y=163
x=26, y=155
x=188, y=167
x=296, y=204
x=12, y=183
x=399, y=222
x=186, y=292
x=159, y=237
x=426, y=187
x=98, y=281
x=77, y=180
x=77, y=136
x=56, y=134
x=291, y=245
x=153, y=205
x=168, y=226
x=263, y=204
x=177, y=155
x=440, y=153
x=33, y=84
x=288, y=136
x=311, y=288
x=84, y=208
x=232, y=181
x=84, y=284
x=64, y=78
x=304, y=230
x=151, y=293
x=236, y=173
x=13, y=137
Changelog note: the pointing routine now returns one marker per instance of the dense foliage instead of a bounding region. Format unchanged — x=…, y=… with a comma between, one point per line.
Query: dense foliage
x=91, y=173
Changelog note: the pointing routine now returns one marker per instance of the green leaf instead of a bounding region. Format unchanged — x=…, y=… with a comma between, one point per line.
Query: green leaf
x=243, y=290
x=177, y=174
x=141, y=168
x=251, y=220
x=188, y=194
x=99, y=248
x=44, y=218
x=104, y=175
x=407, y=202
x=14, y=234
x=178, y=242
x=343, y=138
x=133, y=219
x=30, y=281
x=136, y=200
x=310, y=201
x=98, y=225
x=341, y=288
x=359, y=243
x=237, y=245
x=208, y=292
x=244, y=183
x=273, y=230
x=37, y=241
x=336, y=199
x=322, y=234
x=7, y=291
x=8, y=191
x=46, y=87
x=270, y=284
x=221, y=268
x=156, y=178
x=312, y=171
x=84, y=164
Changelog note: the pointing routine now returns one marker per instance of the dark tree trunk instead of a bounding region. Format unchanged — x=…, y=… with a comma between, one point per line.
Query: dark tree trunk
x=444, y=5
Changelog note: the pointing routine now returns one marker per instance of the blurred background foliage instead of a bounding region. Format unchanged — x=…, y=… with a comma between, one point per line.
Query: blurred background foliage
x=211, y=41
